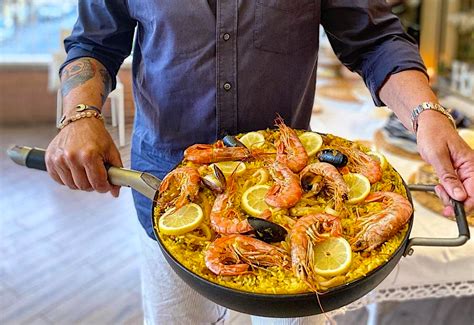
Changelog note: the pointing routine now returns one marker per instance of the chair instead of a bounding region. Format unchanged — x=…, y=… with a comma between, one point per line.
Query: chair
x=118, y=111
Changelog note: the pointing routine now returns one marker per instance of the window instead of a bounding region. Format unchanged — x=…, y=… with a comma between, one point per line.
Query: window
x=34, y=28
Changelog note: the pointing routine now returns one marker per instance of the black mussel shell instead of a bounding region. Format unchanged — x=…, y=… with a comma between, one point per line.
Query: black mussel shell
x=217, y=183
x=333, y=157
x=213, y=184
x=267, y=231
x=306, y=184
x=231, y=141
x=219, y=174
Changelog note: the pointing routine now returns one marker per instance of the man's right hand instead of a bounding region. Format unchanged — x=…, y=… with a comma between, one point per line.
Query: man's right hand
x=77, y=155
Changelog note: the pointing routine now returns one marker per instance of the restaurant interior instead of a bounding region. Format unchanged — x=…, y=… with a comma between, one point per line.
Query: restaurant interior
x=72, y=257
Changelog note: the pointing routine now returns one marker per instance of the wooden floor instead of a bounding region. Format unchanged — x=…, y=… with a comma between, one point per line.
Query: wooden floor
x=70, y=257
x=66, y=256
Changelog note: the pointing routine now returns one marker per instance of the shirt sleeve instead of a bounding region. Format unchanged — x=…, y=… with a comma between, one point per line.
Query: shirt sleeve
x=104, y=31
x=370, y=40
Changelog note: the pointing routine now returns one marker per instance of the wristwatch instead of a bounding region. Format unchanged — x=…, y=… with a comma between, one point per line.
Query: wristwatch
x=429, y=106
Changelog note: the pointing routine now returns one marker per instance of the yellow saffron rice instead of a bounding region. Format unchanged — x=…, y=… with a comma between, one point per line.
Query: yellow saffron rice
x=189, y=249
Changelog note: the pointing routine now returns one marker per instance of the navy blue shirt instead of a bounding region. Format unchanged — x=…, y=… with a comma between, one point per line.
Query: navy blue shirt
x=198, y=75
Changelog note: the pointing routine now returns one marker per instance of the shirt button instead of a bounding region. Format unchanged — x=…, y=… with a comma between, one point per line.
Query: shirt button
x=226, y=37
x=227, y=86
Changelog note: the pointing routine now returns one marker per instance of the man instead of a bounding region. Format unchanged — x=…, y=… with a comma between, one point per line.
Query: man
x=203, y=69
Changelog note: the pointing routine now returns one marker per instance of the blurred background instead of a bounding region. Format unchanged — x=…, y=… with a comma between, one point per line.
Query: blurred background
x=31, y=34
x=72, y=257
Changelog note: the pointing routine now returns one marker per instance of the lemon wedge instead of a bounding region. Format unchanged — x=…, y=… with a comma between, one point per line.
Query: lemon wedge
x=252, y=140
x=359, y=187
x=381, y=158
x=180, y=221
x=468, y=136
x=332, y=257
x=229, y=167
x=253, y=200
x=311, y=141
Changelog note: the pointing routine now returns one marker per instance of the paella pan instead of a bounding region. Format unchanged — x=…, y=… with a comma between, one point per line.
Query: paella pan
x=279, y=287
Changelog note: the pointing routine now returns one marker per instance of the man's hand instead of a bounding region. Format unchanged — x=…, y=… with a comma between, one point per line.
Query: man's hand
x=453, y=160
x=77, y=155
x=438, y=142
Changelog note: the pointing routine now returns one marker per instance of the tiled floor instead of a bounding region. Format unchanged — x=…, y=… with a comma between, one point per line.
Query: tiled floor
x=69, y=257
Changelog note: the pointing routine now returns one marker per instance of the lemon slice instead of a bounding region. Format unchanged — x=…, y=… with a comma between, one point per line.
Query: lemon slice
x=311, y=141
x=253, y=200
x=181, y=221
x=229, y=167
x=468, y=136
x=359, y=187
x=252, y=140
x=380, y=157
x=332, y=257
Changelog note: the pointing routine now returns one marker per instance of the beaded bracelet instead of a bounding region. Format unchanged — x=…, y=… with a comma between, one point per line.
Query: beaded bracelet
x=65, y=121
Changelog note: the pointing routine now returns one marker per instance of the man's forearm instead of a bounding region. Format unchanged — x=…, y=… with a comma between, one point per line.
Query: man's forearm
x=404, y=91
x=438, y=142
x=84, y=81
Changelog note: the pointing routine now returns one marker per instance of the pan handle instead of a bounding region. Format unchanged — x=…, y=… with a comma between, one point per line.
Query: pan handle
x=144, y=183
x=461, y=221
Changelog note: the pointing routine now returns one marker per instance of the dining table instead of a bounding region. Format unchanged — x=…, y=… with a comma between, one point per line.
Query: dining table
x=430, y=272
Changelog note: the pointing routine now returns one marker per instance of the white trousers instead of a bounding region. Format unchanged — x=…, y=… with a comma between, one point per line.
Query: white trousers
x=168, y=300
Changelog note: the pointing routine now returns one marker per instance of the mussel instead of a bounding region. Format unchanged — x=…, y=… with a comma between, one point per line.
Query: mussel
x=215, y=182
x=267, y=231
x=333, y=157
x=231, y=141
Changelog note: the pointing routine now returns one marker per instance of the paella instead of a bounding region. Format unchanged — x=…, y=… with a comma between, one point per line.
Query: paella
x=287, y=211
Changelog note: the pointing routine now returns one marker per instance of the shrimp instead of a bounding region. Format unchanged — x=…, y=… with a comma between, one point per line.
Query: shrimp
x=226, y=219
x=179, y=187
x=381, y=226
x=308, y=230
x=207, y=153
x=234, y=254
x=360, y=162
x=290, y=150
x=286, y=191
x=325, y=175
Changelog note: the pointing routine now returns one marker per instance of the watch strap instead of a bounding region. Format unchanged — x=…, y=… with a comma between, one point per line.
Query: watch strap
x=429, y=106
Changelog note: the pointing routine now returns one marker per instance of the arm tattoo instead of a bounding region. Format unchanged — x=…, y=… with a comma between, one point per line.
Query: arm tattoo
x=107, y=84
x=76, y=74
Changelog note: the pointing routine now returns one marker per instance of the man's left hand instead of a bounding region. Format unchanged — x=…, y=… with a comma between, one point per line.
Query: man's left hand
x=453, y=160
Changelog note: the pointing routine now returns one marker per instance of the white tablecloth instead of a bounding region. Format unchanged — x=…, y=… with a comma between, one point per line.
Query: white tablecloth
x=430, y=271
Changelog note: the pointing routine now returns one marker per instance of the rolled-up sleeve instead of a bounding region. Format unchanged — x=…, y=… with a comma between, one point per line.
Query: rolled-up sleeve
x=369, y=40
x=104, y=31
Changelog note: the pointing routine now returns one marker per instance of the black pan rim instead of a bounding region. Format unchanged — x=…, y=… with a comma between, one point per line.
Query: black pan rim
x=332, y=291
